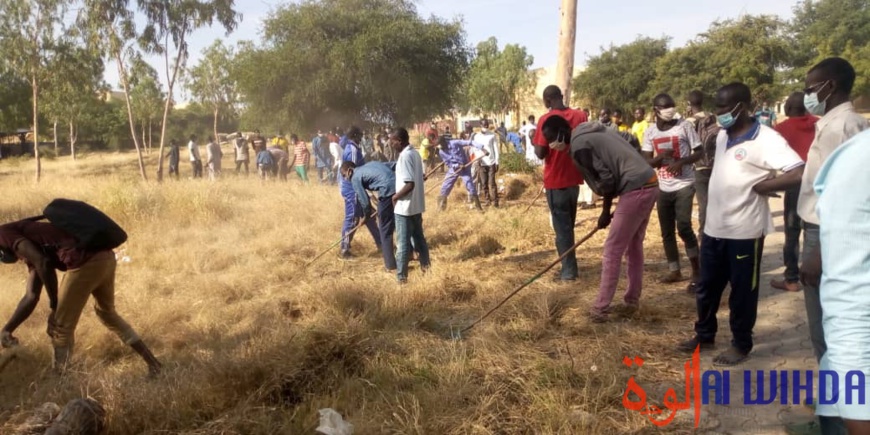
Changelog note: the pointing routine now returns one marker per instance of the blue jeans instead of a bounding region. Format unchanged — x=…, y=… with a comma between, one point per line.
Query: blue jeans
x=409, y=229
x=563, y=209
x=386, y=227
x=791, y=250
x=352, y=213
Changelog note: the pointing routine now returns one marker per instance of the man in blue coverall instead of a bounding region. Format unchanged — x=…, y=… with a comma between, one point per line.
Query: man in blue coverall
x=376, y=177
x=352, y=209
x=456, y=160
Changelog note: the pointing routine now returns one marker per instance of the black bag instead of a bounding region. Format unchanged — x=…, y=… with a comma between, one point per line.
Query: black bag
x=92, y=229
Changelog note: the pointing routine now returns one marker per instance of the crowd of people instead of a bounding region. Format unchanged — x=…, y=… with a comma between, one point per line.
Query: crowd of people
x=728, y=162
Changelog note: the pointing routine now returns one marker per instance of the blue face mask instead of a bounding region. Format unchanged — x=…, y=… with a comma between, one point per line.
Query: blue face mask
x=727, y=120
x=812, y=103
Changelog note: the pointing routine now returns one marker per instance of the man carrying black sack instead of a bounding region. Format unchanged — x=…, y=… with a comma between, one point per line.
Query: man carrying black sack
x=44, y=247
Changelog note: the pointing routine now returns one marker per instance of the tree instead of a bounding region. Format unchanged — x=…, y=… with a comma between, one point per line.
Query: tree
x=329, y=62
x=73, y=86
x=147, y=98
x=15, y=104
x=175, y=20
x=825, y=28
x=683, y=70
x=211, y=81
x=110, y=29
x=27, y=32
x=621, y=74
x=496, y=78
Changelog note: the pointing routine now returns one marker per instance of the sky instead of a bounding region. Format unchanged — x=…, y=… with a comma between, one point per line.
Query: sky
x=532, y=23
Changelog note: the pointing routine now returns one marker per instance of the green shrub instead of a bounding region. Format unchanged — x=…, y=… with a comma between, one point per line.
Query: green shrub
x=516, y=163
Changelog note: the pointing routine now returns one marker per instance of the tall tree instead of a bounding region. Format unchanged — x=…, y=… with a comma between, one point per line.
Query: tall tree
x=620, y=75
x=73, y=87
x=335, y=61
x=27, y=31
x=496, y=78
x=211, y=81
x=174, y=21
x=110, y=29
x=824, y=28
x=147, y=98
x=15, y=105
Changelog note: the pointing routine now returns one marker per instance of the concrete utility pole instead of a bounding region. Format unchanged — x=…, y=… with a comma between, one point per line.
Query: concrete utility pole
x=567, y=37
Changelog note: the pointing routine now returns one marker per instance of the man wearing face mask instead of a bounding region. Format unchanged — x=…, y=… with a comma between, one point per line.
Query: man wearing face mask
x=561, y=177
x=738, y=219
x=827, y=94
x=672, y=146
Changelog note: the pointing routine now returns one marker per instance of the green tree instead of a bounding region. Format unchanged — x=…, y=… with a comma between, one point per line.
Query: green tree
x=335, y=61
x=15, y=105
x=621, y=75
x=109, y=28
x=73, y=87
x=825, y=28
x=175, y=21
x=147, y=99
x=28, y=29
x=754, y=50
x=211, y=81
x=497, y=78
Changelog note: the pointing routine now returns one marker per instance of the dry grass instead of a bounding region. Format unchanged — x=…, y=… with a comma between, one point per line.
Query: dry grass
x=255, y=344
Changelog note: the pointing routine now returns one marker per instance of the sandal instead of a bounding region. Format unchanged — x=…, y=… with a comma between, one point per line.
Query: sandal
x=730, y=357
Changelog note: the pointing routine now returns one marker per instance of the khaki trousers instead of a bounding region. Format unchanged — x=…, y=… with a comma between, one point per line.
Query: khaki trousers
x=97, y=278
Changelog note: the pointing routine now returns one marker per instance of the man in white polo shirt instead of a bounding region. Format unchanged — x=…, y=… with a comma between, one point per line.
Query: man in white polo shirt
x=738, y=218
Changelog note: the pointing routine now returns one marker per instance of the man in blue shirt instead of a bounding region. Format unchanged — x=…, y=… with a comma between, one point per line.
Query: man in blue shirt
x=352, y=210
x=379, y=178
x=456, y=160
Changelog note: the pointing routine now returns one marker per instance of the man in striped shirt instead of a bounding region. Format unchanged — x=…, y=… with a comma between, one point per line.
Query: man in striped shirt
x=301, y=158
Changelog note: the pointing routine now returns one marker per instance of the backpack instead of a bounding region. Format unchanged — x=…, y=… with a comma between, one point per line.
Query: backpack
x=707, y=129
x=92, y=229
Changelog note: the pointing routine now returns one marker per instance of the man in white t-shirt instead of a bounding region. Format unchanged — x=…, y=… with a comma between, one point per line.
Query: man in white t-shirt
x=488, y=142
x=409, y=203
x=195, y=160
x=738, y=219
x=527, y=131
x=672, y=146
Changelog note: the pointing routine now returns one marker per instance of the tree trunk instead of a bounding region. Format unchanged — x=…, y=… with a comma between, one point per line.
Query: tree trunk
x=55, y=139
x=567, y=39
x=123, y=75
x=150, y=134
x=35, y=86
x=72, y=140
x=145, y=142
x=216, y=111
x=170, y=85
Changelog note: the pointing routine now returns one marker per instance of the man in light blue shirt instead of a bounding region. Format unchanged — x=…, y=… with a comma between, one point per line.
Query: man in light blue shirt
x=843, y=209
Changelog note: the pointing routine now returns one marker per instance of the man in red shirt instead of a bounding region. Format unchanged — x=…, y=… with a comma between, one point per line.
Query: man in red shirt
x=799, y=131
x=561, y=178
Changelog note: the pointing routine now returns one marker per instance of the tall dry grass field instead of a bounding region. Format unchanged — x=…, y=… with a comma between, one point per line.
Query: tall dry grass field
x=253, y=343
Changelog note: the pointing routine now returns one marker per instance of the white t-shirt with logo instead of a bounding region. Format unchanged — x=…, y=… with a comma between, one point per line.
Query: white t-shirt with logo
x=528, y=131
x=409, y=168
x=676, y=143
x=734, y=210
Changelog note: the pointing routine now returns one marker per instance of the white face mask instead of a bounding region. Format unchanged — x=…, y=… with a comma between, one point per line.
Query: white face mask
x=667, y=114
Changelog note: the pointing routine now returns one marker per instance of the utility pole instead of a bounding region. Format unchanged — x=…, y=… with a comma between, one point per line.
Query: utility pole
x=567, y=37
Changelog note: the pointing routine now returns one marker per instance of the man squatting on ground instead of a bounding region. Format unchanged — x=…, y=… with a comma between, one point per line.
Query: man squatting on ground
x=352, y=210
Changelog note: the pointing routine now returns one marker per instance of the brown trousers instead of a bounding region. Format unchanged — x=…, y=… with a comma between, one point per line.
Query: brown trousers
x=97, y=278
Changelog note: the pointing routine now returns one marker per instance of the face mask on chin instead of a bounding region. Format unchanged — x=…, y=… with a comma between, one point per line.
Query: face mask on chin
x=559, y=144
x=667, y=114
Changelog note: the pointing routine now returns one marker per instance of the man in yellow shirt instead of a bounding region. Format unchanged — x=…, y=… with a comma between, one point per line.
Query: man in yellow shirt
x=640, y=123
x=618, y=122
x=281, y=142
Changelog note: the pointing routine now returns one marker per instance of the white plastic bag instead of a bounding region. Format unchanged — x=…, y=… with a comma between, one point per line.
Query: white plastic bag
x=331, y=423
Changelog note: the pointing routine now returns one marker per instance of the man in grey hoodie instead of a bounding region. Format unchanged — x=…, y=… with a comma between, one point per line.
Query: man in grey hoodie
x=612, y=168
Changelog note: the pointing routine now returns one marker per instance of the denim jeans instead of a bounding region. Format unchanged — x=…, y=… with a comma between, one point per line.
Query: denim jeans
x=409, y=230
x=386, y=227
x=352, y=214
x=563, y=210
x=792, y=248
x=489, y=183
x=675, y=216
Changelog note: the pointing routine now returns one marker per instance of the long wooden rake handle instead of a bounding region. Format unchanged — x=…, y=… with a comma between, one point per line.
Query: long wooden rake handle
x=531, y=280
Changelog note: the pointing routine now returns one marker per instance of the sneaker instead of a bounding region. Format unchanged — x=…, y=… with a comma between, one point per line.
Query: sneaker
x=672, y=277
x=690, y=345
